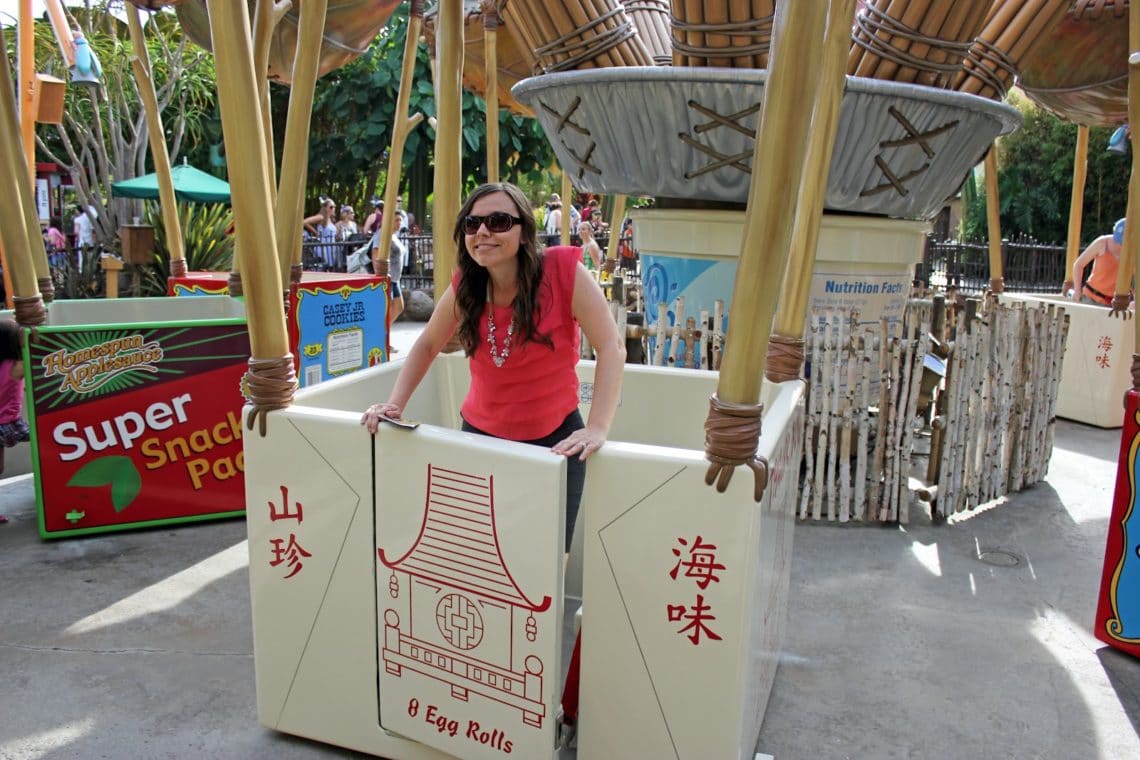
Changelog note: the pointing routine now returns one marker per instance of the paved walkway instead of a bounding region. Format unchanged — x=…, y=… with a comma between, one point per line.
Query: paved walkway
x=901, y=642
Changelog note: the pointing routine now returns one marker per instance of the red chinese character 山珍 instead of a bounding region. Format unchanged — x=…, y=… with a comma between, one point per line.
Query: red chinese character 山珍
x=285, y=513
x=701, y=563
x=291, y=553
x=698, y=614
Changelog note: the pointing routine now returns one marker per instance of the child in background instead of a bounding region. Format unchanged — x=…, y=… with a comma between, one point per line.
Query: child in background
x=13, y=428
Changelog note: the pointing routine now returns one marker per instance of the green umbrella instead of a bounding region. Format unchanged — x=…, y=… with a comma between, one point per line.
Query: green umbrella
x=190, y=184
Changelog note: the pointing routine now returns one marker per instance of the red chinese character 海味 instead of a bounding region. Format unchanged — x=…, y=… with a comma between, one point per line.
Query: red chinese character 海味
x=701, y=563
x=698, y=614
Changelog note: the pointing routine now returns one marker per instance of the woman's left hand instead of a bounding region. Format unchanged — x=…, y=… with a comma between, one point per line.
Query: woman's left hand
x=583, y=442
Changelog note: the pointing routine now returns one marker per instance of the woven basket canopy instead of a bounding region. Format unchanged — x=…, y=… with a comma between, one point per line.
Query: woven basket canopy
x=1078, y=69
x=513, y=64
x=350, y=27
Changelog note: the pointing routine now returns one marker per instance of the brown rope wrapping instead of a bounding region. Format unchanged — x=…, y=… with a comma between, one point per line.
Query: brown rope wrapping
x=29, y=310
x=1119, y=305
x=491, y=19
x=234, y=285
x=585, y=48
x=269, y=384
x=295, y=271
x=984, y=52
x=758, y=28
x=732, y=434
x=1136, y=372
x=609, y=266
x=873, y=20
x=997, y=284
x=380, y=267
x=1067, y=286
x=1094, y=8
x=47, y=288
x=785, y=358
x=178, y=267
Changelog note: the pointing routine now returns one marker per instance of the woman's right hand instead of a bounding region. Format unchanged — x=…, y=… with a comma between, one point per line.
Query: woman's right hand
x=377, y=412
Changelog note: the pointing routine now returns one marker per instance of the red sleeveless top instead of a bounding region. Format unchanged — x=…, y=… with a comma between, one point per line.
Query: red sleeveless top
x=536, y=387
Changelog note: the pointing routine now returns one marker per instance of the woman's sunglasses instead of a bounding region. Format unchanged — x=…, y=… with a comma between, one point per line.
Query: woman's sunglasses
x=497, y=221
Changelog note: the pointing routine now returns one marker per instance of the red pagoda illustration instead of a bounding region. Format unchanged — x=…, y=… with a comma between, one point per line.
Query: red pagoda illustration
x=462, y=619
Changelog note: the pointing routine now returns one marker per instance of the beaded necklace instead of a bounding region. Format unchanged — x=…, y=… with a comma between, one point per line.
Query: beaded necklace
x=497, y=357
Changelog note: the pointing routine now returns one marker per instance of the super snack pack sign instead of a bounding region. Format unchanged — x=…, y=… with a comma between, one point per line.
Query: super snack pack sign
x=139, y=424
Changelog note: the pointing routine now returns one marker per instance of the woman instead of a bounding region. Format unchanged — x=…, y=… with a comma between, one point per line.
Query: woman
x=346, y=227
x=592, y=251
x=322, y=226
x=1104, y=254
x=517, y=312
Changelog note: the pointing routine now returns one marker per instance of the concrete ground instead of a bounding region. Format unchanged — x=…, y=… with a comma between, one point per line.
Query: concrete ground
x=903, y=642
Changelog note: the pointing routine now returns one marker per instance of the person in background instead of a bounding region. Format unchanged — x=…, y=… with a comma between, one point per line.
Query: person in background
x=13, y=427
x=397, y=255
x=54, y=238
x=517, y=311
x=592, y=252
x=322, y=226
x=83, y=227
x=346, y=227
x=553, y=226
x=1104, y=255
x=374, y=219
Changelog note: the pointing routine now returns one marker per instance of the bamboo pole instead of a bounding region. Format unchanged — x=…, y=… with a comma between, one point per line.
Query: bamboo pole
x=267, y=15
x=796, y=287
x=27, y=63
x=1076, y=205
x=617, y=218
x=781, y=145
x=295, y=153
x=401, y=128
x=253, y=213
x=491, y=94
x=823, y=438
x=566, y=217
x=1128, y=253
x=993, y=220
x=14, y=232
x=676, y=356
x=448, y=136
x=140, y=64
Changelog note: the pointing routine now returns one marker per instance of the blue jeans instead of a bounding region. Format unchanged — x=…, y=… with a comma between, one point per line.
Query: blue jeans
x=575, y=467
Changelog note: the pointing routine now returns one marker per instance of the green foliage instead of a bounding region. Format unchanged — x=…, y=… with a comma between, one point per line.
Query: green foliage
x=353, y=113
x=104, y=138
x=80, y=276
x=205, y=235
x=1035, y=181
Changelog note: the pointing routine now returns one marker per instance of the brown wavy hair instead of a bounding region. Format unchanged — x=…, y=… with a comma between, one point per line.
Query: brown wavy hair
x=471, y=292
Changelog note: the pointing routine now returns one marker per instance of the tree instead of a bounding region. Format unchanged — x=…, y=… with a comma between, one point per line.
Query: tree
x=1035, y=180
x=103, y=138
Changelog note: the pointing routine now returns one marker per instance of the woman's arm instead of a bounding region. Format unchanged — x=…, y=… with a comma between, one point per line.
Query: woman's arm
x=593, y=314
x=439, y=329
x=594, y=251
x=310, y=221
x=1087, y=255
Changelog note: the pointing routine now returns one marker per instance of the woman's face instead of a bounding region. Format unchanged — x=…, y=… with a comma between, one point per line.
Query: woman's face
x=585, y=231
x=487, y=248
x=330, y=209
